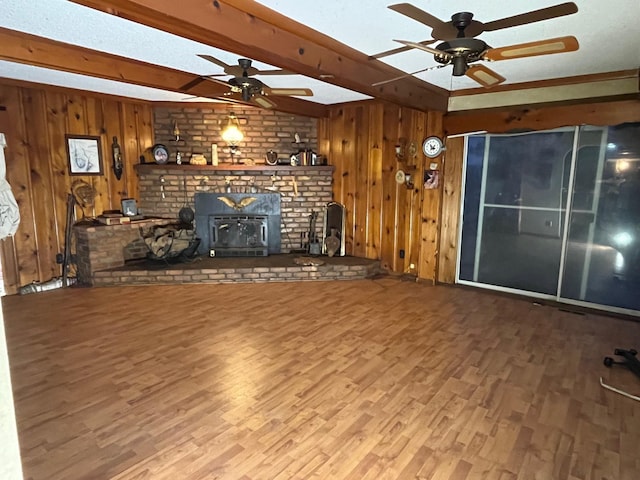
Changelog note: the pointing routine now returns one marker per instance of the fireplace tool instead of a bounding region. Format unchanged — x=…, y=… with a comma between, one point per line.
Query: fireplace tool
x=313, y=245
x=186, y=214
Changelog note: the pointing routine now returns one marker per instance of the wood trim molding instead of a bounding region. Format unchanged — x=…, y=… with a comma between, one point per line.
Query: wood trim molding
x=577, y=79
x=583, y=92
x=542, y=117
x=259, y=33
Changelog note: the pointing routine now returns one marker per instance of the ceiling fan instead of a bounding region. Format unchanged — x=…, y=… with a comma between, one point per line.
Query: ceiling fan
x=460, y=48
x=243, y=83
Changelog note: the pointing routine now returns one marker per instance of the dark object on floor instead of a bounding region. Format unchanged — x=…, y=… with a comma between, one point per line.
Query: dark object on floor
x=630, y=360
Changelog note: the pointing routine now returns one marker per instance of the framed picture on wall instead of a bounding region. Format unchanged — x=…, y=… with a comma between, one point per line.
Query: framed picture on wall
x=84, y=155
x=431, y=179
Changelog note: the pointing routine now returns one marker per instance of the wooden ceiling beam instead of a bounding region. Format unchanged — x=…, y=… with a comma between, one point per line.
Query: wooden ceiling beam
x=33, y=50
x=251, y=30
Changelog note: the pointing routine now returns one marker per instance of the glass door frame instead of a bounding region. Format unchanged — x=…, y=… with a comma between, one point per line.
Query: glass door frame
x=565, y=233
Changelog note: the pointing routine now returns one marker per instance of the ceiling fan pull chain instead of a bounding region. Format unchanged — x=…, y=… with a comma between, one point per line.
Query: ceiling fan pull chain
x=407, y=75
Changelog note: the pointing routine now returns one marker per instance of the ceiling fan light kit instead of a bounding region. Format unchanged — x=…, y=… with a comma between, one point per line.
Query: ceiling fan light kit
x=459, y=66
x=460, y=48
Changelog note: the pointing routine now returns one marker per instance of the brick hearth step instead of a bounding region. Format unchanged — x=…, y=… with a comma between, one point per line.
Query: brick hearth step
x=274, y=268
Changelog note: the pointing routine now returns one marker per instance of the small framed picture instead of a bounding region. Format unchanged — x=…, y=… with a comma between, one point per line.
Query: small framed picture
x=84, y=155
x=129, y=207
x=431, y=179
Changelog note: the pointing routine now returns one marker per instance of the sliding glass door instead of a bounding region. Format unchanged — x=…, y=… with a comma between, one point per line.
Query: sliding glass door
x=602, y=263
x=553, y=214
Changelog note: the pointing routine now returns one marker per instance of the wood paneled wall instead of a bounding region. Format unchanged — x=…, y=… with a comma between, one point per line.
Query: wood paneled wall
x=384, y=218
x=35, y=122
x=450, y=213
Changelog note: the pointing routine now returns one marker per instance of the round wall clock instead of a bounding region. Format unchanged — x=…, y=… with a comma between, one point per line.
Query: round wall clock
x=160, y=154
x=432, y=147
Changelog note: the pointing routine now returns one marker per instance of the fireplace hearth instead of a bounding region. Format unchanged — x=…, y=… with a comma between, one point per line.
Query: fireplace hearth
x=238, y=224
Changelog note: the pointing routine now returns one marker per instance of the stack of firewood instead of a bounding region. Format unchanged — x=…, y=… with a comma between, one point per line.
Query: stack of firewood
x=167, y=241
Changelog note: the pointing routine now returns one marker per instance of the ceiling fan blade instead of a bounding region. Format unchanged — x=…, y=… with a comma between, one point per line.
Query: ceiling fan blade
x=237, y=71
x=426, y=48
x=418, y=15
x=264, y=102
x=211, y=59
x=560, y=10
x=532, y=49
x=393, y=51
x=297, y=92
x=484, y=76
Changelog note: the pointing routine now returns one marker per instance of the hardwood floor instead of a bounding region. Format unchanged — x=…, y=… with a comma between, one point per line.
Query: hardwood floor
x=368, y=379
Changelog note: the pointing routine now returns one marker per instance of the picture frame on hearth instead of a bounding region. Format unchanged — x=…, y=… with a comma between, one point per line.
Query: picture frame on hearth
x=129, y=207
x=84, y=154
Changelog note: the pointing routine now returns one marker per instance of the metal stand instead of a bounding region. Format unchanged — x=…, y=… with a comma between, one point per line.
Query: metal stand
x=334, y=220
x=621, y=392
x=67, y=257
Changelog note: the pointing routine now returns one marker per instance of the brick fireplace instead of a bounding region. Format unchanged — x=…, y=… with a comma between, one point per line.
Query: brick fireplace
x=115, y=255
x=302, y=190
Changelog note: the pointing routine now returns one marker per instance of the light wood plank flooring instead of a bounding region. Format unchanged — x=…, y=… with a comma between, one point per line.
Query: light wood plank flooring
x=371, y=379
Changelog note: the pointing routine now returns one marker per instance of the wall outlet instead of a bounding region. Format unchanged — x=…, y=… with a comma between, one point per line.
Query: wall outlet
x=401, y=253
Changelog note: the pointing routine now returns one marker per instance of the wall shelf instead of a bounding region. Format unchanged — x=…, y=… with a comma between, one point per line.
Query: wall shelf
x=174, y=167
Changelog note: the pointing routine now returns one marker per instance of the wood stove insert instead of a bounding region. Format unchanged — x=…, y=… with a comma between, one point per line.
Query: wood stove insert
x=238, y=224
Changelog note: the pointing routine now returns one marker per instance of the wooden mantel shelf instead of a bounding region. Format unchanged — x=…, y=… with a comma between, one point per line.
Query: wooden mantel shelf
x=228, y=167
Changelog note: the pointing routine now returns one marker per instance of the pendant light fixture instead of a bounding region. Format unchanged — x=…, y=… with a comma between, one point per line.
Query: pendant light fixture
x=232, y=135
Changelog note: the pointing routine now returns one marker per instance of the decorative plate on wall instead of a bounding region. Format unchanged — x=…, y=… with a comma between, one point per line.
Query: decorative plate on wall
x=160, y=154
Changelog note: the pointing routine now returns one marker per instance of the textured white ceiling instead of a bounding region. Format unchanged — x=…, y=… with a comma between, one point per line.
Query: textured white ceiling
x=607, y=31
x=107, y=33
x=608, y=34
